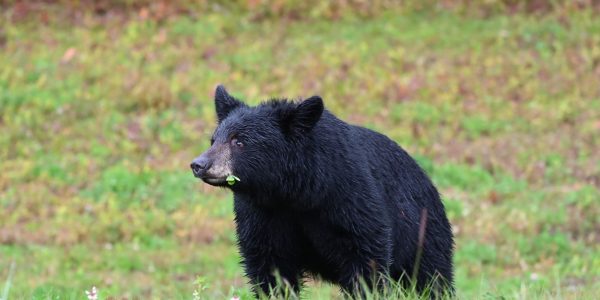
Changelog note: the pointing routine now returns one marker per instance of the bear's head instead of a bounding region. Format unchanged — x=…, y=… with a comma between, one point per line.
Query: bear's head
x=261, y=148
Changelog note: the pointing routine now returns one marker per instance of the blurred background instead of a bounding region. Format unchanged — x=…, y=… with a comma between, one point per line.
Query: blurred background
x=103, y=104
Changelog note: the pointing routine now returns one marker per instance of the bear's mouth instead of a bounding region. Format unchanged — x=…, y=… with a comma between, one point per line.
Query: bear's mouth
x=216, y=181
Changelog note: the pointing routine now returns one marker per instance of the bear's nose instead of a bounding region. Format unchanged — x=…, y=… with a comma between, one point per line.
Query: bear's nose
x=200, y=165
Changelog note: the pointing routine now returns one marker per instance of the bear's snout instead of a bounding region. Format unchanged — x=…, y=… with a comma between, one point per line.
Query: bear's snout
x=199, y=165
x=214, y=165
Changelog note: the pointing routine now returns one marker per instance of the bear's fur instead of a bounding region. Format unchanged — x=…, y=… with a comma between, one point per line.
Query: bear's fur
x=318, y=196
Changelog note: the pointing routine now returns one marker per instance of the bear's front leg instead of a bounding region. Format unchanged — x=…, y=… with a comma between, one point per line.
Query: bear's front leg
x=358, y=242
x=269, y=245
x=273, y=277
x=357, y=260
x=356, y=276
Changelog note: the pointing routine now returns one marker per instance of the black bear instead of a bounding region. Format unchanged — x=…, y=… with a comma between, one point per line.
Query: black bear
x=314, y=195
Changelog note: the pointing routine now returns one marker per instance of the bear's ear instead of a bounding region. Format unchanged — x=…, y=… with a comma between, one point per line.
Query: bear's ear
x=304, y=117
x=224, y=103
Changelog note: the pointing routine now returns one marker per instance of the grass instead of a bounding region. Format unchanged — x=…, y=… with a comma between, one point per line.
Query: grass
x=101, y=115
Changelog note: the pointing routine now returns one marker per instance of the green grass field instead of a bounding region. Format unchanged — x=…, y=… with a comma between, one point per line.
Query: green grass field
x=100, y=116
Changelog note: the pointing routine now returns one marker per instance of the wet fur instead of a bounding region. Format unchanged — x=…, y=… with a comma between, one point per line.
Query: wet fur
x=322, y=197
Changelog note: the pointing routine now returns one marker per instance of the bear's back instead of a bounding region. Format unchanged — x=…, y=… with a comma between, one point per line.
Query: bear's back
x=364, y=150
x=390, y=165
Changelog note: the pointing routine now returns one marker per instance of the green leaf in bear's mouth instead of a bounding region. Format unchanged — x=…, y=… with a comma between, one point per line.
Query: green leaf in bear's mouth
x=231, y=179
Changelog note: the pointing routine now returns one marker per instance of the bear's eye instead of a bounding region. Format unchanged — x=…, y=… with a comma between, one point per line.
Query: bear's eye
x=212, y=141
x=235, y=142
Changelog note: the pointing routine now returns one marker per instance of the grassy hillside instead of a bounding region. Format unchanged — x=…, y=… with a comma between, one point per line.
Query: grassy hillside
x=100, y=115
